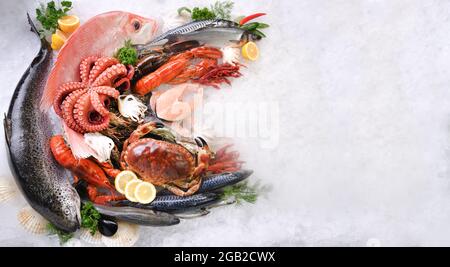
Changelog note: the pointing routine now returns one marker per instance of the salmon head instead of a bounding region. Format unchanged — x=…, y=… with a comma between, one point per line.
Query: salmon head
x=101, y=35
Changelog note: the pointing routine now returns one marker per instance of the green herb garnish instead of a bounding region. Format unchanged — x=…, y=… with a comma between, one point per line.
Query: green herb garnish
x=202, y=14
x=127, y=55
x=243, y=192
x=48, y=16
x=220, y=10
x=89, y=217
x=63, y=236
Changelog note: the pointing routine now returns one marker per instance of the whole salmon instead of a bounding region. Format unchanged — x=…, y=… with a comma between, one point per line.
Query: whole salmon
x=45, y=185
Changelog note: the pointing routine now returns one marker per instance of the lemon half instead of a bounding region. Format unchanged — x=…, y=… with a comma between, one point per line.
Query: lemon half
x=58, y=39
x=130, y=188
x=122, y=179
x=68, y=24
x=250, y=51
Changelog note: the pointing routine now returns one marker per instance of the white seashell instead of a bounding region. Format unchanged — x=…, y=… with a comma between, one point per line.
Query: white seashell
x=32, y=221
x=102, y=145
x=231, y=54
x=8, y=190
x=86, y=236
x=131, y=107
x=126, y=236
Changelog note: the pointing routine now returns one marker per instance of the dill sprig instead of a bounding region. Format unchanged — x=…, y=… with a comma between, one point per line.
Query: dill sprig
x=222, y=9
x=219, y=10
x=244, y=192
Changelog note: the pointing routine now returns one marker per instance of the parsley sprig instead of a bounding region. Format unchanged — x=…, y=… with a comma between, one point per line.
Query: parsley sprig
x=48, y=15
x=89, y=217
x=127, y=55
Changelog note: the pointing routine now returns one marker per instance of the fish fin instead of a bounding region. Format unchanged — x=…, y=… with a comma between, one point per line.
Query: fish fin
x=33, y=27
x=36, y=31
x=7, y=127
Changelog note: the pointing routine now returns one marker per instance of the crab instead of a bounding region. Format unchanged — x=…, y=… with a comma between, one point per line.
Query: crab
x=163, y=163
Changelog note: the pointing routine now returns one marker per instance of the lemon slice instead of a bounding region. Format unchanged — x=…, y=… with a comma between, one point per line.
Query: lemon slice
x=145, y=193
x=58, y=39
x=68, y=24
x=130, y=189
x=250, y=51
x=122, y=179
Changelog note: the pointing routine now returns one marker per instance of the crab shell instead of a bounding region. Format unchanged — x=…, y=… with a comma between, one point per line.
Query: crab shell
x=159, y=162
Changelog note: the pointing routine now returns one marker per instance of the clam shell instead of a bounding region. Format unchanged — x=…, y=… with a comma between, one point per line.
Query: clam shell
x=32, y=221
x=7, y=191
x=126, y=236
x=86, y=236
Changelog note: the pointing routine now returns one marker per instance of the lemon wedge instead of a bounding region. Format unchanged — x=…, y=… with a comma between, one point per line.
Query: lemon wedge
x=130, y=189
x=122, y=179
x=68, y=24
x=58, y=39
x=145, y=192
x=250, y=51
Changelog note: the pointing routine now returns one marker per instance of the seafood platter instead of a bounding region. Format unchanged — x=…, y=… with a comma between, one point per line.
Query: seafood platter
x=97, y=130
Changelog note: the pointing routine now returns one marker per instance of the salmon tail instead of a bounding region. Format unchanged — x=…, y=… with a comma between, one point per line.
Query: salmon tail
x=76, y=142
x=48, y=96
x=33, y=27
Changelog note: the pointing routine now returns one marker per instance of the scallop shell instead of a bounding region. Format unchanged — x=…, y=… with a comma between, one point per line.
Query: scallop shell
x=86, y=236
x=7, y=191
x=126, y=236
x=32, y=221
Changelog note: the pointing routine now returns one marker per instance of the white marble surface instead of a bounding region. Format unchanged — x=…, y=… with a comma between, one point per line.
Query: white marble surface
x=363, y=90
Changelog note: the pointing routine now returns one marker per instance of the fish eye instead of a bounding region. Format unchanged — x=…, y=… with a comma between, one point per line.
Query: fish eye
x=136, y=25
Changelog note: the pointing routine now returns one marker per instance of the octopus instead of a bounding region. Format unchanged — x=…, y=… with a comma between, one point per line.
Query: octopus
x=83, y=105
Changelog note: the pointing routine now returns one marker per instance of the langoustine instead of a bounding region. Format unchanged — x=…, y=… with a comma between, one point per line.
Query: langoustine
x=178, y=66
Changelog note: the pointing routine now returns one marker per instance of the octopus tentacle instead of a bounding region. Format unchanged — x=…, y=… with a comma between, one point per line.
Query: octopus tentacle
x=86, y=66
x=130, y=73
x=98, y=104
x=63, y=91
x=106, y=90
x=68, y=107
x=110, y=75
x=87, y=118
x=101, y=65
x=122, y=84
